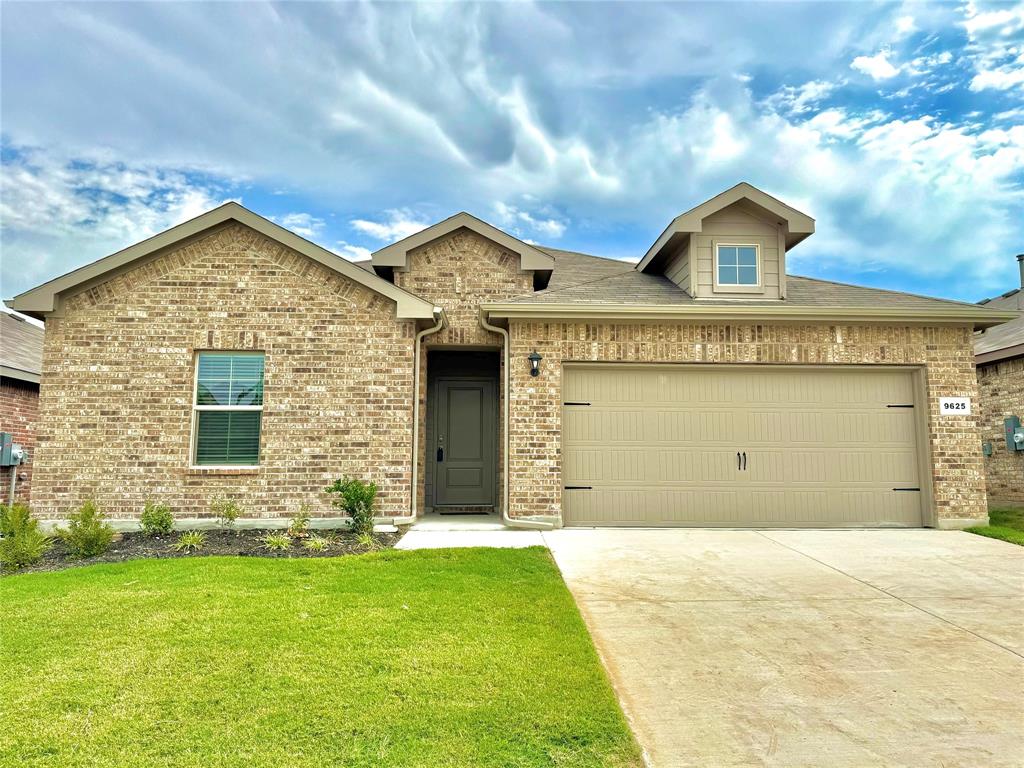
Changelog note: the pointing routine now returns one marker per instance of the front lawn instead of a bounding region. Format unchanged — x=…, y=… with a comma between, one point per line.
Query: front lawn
x=1004, y=524
x=474, y=657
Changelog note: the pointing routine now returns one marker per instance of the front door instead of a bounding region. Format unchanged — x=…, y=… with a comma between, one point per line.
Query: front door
x=465, y=443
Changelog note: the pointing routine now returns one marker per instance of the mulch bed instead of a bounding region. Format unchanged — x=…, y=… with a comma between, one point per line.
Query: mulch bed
x=247, y=543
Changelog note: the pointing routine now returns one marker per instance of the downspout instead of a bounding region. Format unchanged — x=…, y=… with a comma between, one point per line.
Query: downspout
x=509, y=521
x=441, y=322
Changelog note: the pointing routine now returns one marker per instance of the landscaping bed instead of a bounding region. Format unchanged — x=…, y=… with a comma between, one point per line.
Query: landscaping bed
x=246, y=543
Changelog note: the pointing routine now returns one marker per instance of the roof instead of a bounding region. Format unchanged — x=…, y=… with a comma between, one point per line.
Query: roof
x=45, y=298
x=796, y=226
x=21, y=348
x=1006, y=340
x=396, y=255
x=612, y=290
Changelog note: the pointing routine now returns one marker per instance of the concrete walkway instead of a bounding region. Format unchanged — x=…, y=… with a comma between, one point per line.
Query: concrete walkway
x=441, y=531
x=808, y=648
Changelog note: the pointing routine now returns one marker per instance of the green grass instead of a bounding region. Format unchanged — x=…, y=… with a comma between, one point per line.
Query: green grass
x=474, y=657
x=1004, y=524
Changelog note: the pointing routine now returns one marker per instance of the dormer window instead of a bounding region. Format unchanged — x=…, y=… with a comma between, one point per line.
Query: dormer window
x=737, y=264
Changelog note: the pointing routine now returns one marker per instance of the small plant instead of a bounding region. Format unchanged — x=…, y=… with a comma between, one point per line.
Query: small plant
x=298, y=526
x=316, y=543
x=22, y=543
x=366, y=541
x=276, y=542
x=156, y=520
x=87, y=535
x=226, y=511
x=190, y=541
x=355, y=498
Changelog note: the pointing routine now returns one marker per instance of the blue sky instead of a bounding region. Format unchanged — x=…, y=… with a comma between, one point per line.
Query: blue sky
x=898, y=127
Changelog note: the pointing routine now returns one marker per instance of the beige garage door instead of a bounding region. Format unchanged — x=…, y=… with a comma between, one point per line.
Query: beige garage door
x=733, y=446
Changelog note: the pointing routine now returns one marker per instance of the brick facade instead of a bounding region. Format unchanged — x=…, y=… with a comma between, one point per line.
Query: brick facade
x=1001, y=386
x=118, y=368
x=945, y=353
x=19, y=411
x=119, y=363
x=459, y=272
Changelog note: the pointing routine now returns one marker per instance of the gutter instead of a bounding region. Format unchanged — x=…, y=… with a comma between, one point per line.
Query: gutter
x=978, y=317
x=441, y=322
x=505, y=519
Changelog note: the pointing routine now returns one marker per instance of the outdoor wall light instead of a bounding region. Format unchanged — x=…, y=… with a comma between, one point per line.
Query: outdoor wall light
x=534, y=359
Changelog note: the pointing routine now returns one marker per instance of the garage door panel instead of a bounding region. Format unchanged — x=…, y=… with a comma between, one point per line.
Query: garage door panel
x=658, y=445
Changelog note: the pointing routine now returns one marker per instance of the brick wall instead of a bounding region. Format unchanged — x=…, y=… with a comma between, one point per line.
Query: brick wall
x=19, y=409
x=1002, y=394
x=945, y=353
x=459, y=272
x=118, y=381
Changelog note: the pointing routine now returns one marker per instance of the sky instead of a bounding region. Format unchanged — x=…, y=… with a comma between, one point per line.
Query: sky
x=898, y=126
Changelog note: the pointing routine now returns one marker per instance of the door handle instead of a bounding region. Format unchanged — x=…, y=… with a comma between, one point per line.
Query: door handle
x=744, y=461
x=739, y=464
x=440, y=453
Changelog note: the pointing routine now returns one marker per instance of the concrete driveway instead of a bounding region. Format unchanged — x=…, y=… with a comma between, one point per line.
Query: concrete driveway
x=808, y=648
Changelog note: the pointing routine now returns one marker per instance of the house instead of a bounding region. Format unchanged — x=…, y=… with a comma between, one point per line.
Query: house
x=21, y=358
x=464, y=370
x=999, y=355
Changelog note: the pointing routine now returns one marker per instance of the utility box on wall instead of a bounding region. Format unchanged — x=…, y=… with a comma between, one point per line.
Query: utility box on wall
x=1014, y=434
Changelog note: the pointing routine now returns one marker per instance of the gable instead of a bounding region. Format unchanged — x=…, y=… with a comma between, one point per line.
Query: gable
x=46, y=299
x=395, y=257
x=743, y=198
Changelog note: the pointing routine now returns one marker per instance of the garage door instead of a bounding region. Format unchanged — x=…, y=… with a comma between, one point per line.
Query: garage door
x=732, y=446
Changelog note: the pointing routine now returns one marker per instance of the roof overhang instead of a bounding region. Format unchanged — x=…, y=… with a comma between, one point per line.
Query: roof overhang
x=752, y=313
x=996, y=355
x=396, y=255
x=45, y=299
x=795, y=225
x=7, y=372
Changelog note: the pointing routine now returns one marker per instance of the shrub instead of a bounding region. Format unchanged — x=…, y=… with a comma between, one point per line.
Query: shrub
x=316, y=543
x=190, y=541
x=226, y=511
x=156, y=519
x=298, y=527
x=276, y=542
x=87, y=535
x=22, y=543
x=355, y=498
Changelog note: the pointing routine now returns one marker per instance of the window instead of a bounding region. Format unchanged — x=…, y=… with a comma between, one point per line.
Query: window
x=737, y=265
x=228, y=408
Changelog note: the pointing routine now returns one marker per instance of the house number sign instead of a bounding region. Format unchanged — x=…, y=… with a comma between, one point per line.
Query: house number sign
x=955, y=406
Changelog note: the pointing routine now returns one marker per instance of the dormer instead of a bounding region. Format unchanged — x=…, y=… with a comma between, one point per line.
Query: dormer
x=731, y=247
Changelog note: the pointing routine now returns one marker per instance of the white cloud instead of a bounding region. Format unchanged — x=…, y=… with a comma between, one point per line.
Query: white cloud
x=905, y=25
x=302, y=224
x=877, y=67
x=517, y=219
x=59, y=212
x=1000, y=78
x=399, y=223
x=802, y=98
x=352, y=252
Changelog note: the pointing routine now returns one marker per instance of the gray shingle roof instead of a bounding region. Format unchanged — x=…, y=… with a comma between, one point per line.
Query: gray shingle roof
x=580, y=278
x=1007, y=335
x=21, y=346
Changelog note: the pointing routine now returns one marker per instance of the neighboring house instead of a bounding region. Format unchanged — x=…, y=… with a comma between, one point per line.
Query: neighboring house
x=999, y=355
x=701, y=386
x=21, y=358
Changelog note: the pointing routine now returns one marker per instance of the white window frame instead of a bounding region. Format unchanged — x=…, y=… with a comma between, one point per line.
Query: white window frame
x=718, y=287
x=194, y=442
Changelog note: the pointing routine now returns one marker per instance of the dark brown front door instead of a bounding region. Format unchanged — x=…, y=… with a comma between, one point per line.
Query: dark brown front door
x=466, y=445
